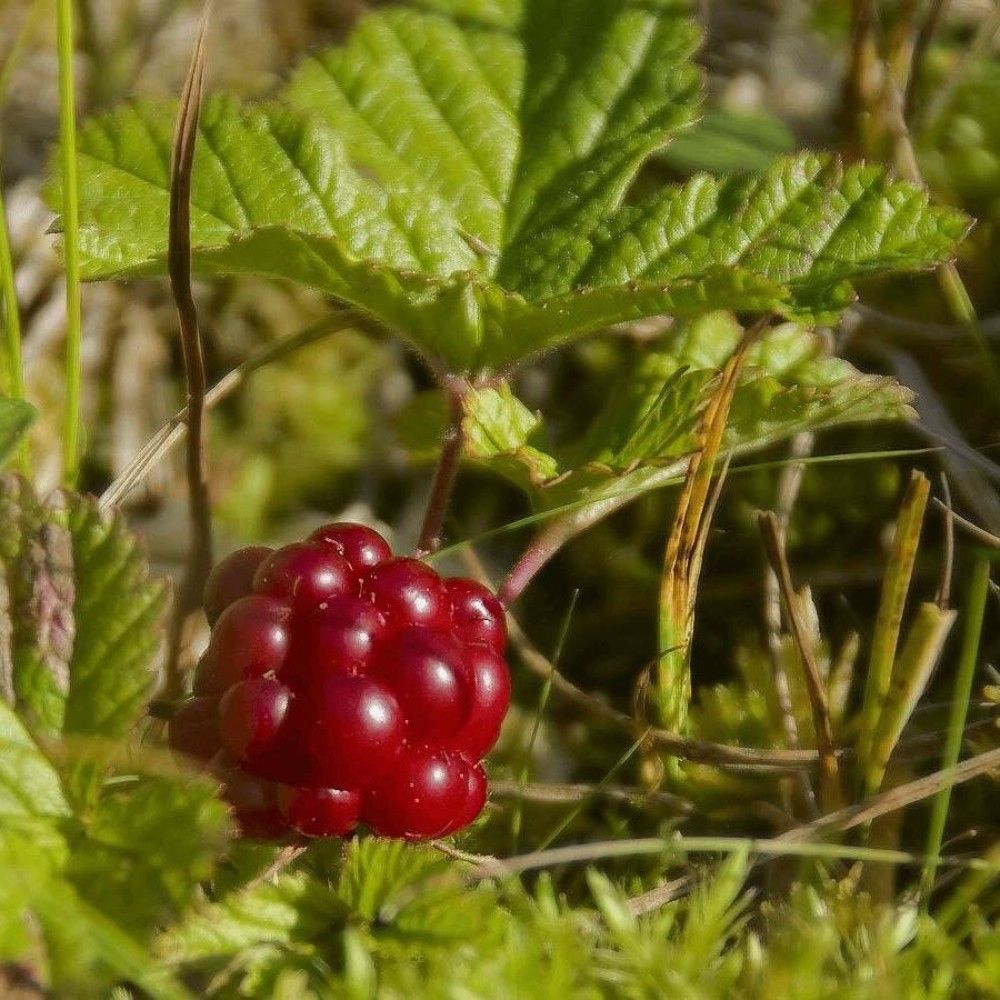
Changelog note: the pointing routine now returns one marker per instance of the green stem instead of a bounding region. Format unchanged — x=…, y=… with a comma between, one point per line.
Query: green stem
x=71, y=241
x=13, y=370
x=974, y=614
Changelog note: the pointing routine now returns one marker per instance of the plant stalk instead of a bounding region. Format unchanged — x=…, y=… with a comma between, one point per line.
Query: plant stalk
x=447, y=468
x=71, y=242
x=975, y=612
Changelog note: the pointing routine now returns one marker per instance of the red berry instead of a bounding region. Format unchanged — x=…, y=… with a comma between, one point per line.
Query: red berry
x=232, y=579
x=249, y=640
x=424, y=670
x=476, y=614
x=306, y=574
x=250, y=716
x=207, y=679
x=347, y=683
x=475, y=799
x=490, y=698
x=407, y=592
x=255, y=805
x=420, y=798
x=351, y=730
x=194, y=730
x=338, y=639
x=320, y=812
x=362, y=547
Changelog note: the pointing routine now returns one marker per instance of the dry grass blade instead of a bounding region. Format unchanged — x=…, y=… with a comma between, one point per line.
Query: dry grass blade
x=911, y=674
x=160, y=444
x=842, y=820
x=179, y=266
x=895, y=587
x=981, y=535
x=831, y=791
x=789, y=483
x=686, y=545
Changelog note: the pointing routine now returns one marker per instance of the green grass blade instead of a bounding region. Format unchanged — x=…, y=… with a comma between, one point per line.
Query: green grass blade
x=913, y=669
x=974, y=614
x=895, y=587
x=71, y=241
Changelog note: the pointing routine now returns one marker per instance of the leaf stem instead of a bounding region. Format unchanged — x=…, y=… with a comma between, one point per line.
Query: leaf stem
x=447, y=468
x=974, y=614
x=71, y=242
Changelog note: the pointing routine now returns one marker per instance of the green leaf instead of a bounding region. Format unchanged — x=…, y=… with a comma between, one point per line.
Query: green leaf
x=146, y=846
x=807, y=222
x=16, y=416
x=727, y=142
x=119, y=610
x=458, y=171
x=29, y=784
x=79, y=615
x=293, y=908
x=639, y=439
x=36, y=606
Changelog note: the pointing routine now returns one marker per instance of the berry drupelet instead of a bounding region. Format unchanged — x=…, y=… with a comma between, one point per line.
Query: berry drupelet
x=343, y=685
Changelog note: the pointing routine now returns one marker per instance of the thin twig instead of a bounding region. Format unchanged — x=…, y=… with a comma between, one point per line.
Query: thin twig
x=567, y=794
x=943, y=596
x=979, y=534
x=175, y=429
x=558, y=532
x=830, y=785
x=179, y=265
x=721, y=755
x=447, y=467
x=840, y=821
x=788, y=488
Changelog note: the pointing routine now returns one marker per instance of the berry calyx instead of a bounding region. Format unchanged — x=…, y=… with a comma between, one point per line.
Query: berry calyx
x=343, y=685
x=194, y=730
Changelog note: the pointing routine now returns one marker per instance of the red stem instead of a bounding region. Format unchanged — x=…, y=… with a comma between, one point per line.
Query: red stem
x=447, y=469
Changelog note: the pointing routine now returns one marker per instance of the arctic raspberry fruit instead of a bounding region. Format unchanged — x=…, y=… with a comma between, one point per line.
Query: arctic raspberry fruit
x=232, y=579
x=320, y=812
x=343, y=685
x=360, y=546
x=306, y=574
x=424, y=669
x=407, y=592
x=421, y=798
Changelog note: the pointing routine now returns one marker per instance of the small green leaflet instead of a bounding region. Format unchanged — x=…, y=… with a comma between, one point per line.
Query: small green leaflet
x=79, y=615
x=16, y=416
x=639, y=440
x=460, y=171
